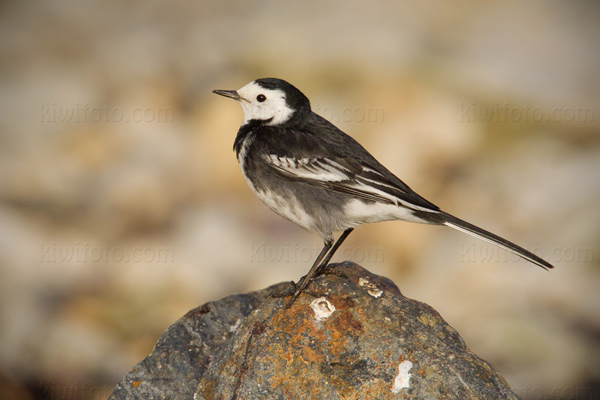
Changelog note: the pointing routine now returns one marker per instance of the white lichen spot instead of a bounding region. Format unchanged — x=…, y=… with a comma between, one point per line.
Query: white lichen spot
x=235, y=327
x=402, y=381
x=322, y=308
x=372, y=289
x=363, y=281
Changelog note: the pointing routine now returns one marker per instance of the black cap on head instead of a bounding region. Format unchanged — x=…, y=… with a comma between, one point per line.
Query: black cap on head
x=293, y=97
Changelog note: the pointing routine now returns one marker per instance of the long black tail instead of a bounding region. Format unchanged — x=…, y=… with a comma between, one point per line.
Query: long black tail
x=459, y=224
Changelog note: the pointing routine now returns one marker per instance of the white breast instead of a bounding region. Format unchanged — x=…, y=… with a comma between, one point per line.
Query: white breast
x=283, y=206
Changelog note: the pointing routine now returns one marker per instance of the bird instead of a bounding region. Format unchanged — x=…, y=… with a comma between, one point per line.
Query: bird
x=308, y=171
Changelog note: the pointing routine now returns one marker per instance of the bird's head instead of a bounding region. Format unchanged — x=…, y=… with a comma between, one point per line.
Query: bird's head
x=269, y=101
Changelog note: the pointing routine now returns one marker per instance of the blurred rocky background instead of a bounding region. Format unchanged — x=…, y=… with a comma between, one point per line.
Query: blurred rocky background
x=122, y=205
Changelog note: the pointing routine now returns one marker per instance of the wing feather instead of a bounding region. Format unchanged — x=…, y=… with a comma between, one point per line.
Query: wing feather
x=335, y=175
x=321, y=155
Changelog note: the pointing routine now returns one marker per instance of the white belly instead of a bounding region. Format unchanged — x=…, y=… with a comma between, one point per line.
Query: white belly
x=287, y=208
x=361, y=212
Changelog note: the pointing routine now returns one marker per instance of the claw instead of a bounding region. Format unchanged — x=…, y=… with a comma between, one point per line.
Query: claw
x=286, y=292
x=299, y=290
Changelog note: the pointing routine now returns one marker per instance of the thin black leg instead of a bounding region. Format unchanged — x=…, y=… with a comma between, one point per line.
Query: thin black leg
x=336, y=246
x=306, y=278
x=320, y=263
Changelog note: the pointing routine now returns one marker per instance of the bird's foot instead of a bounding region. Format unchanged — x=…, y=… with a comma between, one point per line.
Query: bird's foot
x=286, y=292
x=295, y=290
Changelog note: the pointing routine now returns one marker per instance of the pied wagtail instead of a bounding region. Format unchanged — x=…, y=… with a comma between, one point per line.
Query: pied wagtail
x=311, y=173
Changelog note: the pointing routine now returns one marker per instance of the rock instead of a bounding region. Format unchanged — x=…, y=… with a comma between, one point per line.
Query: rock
x=359, y=338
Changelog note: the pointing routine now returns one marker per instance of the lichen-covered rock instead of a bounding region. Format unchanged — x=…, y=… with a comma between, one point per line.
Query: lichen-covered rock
x=358, y=339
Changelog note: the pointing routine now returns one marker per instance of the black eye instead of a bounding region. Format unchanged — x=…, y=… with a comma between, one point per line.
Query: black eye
x=261, y=97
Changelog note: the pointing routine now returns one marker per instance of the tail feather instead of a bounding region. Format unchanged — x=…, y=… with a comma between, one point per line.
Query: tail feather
x=459, y=224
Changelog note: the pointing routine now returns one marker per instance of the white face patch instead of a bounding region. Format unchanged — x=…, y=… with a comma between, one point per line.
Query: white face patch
x=273, y=106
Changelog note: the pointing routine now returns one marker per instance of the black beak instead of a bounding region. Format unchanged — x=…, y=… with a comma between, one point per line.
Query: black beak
x=232, y=94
